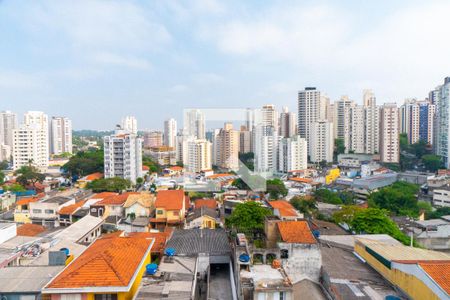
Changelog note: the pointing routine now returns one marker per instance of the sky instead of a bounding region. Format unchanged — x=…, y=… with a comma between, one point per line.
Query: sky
x=97, y=61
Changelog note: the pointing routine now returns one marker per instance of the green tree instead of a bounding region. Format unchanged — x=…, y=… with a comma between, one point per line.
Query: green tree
x=306, y=206
x=276, y=188
x=339, y=148
x=114, y=184
x=432, y=162
x=404, y=145
x=247, y=159
x=29, y=175
x=377, y=221
x=327, y=196
x=248, y=216
x=240, y=184
x=399, y=198
x=2, y=177
x=438, y=213
x=419, y=149
x=15, y=188
x=4, y=165
x=139, y=180
x=154, y=166
x=346, y=215
x=84, y=163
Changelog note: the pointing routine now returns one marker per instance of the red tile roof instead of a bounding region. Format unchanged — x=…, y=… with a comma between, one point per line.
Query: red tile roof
x=176, y=168
x=439, y=272
x=102, y=195
x=214, y=176
x=170, y=199
x=27, y=200
x=160, y=239
x=301, y=179
x=145, y=168
x=116, y=199
x=30, y=230
x=210, y=203
x=284, y=207
x=110, y=261
x=297, y=232
x=70, y=209
x=94, y=176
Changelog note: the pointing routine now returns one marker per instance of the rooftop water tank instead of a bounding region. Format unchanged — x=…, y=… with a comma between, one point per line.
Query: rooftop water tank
x=316, y=233
x=244, y=258
x=151, y=269
x=65, y=250
x=170, y=252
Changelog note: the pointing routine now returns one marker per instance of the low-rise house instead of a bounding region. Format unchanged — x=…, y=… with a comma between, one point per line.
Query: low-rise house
x=83, y=182
x=45, y=212
x=284, y=210
x=441, y=197
x=419, y=273
x=7, y=200
x=72, y=213
x=22, y=210
x=25, y=282
x=140, y=205
x=434, y=234
x=84, y=231
x=210, y=203
x=111, y=206
x=170, y=209
x=111, y=268
x=203, y=217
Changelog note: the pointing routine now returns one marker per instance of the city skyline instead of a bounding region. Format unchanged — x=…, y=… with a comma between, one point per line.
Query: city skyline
x=208, y=53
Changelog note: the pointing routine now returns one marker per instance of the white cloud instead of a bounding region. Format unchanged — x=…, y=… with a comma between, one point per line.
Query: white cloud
x=112, y=59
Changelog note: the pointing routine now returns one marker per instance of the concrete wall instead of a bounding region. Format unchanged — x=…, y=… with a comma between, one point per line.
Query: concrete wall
x=304, y=261
x=8, y=232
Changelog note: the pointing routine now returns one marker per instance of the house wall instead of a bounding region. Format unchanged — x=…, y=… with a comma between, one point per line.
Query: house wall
x=22, y=215
x=304, y=261
x=138, y=210
x=202, y=222
x=408, y=283
x=8, y=233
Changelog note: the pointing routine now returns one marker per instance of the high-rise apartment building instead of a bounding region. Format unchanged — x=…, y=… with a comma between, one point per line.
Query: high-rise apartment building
x=123, y=155
x=292, y=154
x=153, y=139
x=389, y=127
x=342, y=118
x=194, y=124
x=442, y=129
x=129, y=123
x=226, y=148
x=357, y=135
x=266, y=150
x=308, y=112
x=269, y=116
x=170, y=132
x=371, y=123
x=245, y=140
x=30, y=141
x=287, y=124
x=196, y=155
x=417, y=120
x=322, y=141
x=8, y=122
x=60, y=135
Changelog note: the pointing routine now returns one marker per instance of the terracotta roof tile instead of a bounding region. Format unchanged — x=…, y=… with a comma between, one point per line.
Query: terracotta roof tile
x=170, y=199
x=301, y=179
x=284, y=207
x=27, y=200
x=296, y=232
x=116, y=199
x=109, y=261
x=70, y=209
x=103, y=195
x=94, y=176
x=30, y=230
x=210, y=203
x=160, y=239
x=439, y=272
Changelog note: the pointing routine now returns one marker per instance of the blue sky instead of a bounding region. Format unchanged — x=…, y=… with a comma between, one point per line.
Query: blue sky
x=96, y=61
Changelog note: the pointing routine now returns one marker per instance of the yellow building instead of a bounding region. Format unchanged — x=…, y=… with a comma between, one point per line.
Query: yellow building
x=22, y=210
x=333, y=174
x=170, y=207
x=203, y=217
x=419, y=273
x=111, y=268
